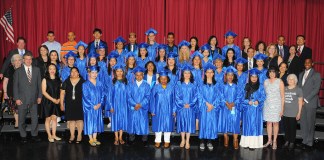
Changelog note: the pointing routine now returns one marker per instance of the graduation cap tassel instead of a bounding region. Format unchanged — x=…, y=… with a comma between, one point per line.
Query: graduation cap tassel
x=87, y=62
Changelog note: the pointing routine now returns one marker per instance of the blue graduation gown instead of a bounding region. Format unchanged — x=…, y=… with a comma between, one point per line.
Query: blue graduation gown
x=229, y=121
x=65, y=73
x=204, y=63
x=142, y=62
x=236, y=49
x=252, y=116
x=198, y=76
x=186, y=94
x=152, y=50
x=128, y=49
x=174, y=78
x=122, y=56
x=208, y=120
x=118, y=101
x=91, y=96
x=130, y=76
x=154, y=80
x=162, y=105
x=159, y=65
x=138, y=120
x=263, y=76
x=81, y=65
x=219, y=77
x=242, y=79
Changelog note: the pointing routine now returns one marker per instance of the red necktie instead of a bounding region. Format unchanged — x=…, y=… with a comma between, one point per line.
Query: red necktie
x=298, y=52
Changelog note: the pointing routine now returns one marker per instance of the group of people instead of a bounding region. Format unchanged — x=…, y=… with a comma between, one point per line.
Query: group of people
x=180, y=88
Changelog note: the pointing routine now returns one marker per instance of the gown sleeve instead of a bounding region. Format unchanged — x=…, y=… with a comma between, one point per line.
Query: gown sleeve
x=152, y=100
x=178, y=97
x=131, y=101
x=86, y=98
x=146, y=98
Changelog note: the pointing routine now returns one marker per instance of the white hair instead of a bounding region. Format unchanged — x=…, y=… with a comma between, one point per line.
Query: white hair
x=16, y=56
x=293, y=76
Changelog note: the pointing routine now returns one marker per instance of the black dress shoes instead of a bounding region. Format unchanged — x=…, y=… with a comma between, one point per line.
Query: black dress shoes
x=23, y=140
x=36, y=139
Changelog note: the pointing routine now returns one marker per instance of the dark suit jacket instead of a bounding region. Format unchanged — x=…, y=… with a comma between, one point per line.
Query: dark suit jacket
x=311, y=88
x=25, y=91
x=286, y=52
x=306, y=54
x=246, y=65
x=7, y=62
x=92, y=47
x=295, y=66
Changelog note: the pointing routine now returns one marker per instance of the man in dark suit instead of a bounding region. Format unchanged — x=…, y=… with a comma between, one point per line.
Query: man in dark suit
x=282, y=49
x=303, y=52
x=27, y=93
x=310, y=82
x=93, y=46
x=21, y=43
x=251, y=61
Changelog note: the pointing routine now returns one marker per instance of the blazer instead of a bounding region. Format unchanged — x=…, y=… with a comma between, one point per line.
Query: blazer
x=311, y=88
x=25, y=91
x=7, y=62
x=306, y=54
x=295, y=66
x=286, y=52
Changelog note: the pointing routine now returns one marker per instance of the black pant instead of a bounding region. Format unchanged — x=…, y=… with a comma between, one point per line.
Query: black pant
x=290, y=124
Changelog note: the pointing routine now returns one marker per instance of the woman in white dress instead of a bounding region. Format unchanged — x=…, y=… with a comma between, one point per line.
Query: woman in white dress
x=273, y=106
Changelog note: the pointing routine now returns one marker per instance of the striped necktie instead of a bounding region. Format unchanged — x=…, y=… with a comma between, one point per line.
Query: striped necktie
x=29, y=75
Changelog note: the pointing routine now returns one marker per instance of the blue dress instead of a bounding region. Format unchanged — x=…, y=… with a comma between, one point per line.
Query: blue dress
x=118, y=101
x=186, y=94
x=81, y=65
x=208, y=120
x=162, y=105
x=91, y=96
x=152, y=50
x=236, y=49
x=229, y=120
x=138, y=120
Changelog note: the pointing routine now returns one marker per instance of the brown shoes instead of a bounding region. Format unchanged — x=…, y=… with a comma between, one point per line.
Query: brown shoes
x=166, y=145
x=157, y=145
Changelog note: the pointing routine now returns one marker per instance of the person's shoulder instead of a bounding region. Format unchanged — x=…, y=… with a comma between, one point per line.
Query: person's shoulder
x=13, y=51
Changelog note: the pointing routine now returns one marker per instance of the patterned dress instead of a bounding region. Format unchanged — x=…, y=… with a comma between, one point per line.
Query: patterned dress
x=272, y=104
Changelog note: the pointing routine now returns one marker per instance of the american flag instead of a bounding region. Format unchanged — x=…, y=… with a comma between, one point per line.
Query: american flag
x=6, y=23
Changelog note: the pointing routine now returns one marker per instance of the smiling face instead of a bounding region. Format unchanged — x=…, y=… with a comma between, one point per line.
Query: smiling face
x=93, y=74
x=71, y=61
x=239, y=67
x=52, y=70
x=260, y=63
x=161, y=53
x=171, y=61
x=209, y=74
x=254, y=78
x=53, y=56
x=112, y=62
x=283, y=68
x=308, y=64
x=187, y=75
x=43, y=51
x=119, y=73
x=230, y=39
x=120, y=45
x=151, y=37
x=206, y=53
x=150, y=67
x=81, y=50
x=139, y=76
x=93, y=61
x=74, y=73
x=196, y=61
x=218, y=63
x=163, y=80
x=229, y=77
x=143, y=52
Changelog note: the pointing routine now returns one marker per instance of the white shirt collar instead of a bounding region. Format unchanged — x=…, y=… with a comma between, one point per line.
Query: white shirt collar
x=139, y=83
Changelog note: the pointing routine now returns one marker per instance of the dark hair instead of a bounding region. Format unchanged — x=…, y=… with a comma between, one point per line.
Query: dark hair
x=154, y=70
x=109, y=68
x=75, y=69
x=300, y=35
x=160, y=80
x=197, y=45
x=139, y=52
x=226, y=61
x=281, y=36
x=249, y=41
x=47, y=74
x=127, y=63
x=192, y=79
x=21, y=38
x=174, y=71
x=42, y=46
x=260, y=42
x=50, y=32
x=97, y=30
x=200, y=65
x=205, y=79
x=210, y=38
x=58, y=59
x=282, y=64
x=251, y=87
x=234, y=79
x=272, y=68
x=124, y=79
x=250, y=48
x=157, y=59
x=294, y=47
x=85, y=53
x=27, y=54
x=170, y=34
x=89, y=61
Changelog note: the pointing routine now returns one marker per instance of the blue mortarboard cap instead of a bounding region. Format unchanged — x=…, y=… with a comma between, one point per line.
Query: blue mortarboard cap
x=70, y=54
x=143, y=45
x=102, y=46
x=230, y=33
x=81, y=43
x=209, y=66
x=195, y=54
x=172, y=55
x=93, y=55
x=138, y=69
x=119, y=39
x=184, y=43
x=260, y=56
x=230, y=69
x=254, y=72
x=161, y=46
x=113, y=54
x=241, y=60
x=130, y=54
x=218, y=56
x=163, y=72
x=151, y=30
x=186, y=67
x=119, y=66
x=205, y=47
x=93, y=68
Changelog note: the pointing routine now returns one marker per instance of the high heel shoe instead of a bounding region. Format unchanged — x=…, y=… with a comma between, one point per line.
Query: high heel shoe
x=274, y=146
x=187, y=146
x=267, y=144
x=51, y=140
x=57, y=138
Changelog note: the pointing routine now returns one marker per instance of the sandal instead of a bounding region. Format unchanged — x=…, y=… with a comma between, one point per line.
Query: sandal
x=182, y=144
x=92, y=143
x=78, y=140
x=71, y=140
x=121, y=141
x=116, y=143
